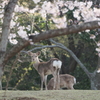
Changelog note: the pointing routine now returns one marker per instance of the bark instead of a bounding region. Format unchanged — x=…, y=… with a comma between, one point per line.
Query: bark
x=9, y=9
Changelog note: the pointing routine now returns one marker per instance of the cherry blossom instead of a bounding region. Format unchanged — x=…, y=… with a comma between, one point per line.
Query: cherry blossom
x=87, y=31
x=36, y=33
x=36, y=1
x=76, y=14
x=92, y=36
x=21, y=9
x=98, y=43
x=89, y=4
x=82, y=11
x=12, y=39
x=22, y=33
x=99, y=23
x=98, y=71
x=98, y=49
x=60, y=22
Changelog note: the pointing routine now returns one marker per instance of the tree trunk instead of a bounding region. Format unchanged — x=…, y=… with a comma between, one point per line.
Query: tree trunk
x=1, y=73
x=95, y=81
x=9, y=9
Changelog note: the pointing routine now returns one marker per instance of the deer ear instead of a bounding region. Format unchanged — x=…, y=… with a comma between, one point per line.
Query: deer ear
x=29, y=53
x=38, y=53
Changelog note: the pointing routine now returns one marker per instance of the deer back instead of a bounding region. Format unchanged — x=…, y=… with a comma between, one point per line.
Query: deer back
x=66, y=80
x=49, y=66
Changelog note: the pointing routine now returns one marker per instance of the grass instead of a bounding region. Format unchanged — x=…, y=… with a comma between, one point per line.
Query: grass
x=51, y=95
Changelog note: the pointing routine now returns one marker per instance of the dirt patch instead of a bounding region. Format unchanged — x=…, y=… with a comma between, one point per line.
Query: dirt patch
x=22, y=98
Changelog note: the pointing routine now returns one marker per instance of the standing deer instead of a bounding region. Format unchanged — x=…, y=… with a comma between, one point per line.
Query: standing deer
x=66, y=80
x=44, y=69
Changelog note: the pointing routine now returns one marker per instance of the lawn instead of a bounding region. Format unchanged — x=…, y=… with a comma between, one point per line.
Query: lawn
x=51, y=95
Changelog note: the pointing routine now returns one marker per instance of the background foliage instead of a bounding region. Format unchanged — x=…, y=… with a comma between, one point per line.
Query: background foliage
x=25, y=77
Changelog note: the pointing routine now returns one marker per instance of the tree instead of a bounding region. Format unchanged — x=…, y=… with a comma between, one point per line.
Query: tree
x=6, y=55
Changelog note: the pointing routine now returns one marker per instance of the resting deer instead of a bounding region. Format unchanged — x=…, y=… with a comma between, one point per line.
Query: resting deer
x=66, y=80
x=44, y=69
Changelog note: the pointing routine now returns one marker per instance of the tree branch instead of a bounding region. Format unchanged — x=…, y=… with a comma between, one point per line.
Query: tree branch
x=52, y=33
x=22, y=44
x=74, y=57
x=69, y=30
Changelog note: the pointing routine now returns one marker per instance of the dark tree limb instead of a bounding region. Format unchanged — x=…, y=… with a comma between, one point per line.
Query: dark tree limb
x=21, y=45
x=65, y=31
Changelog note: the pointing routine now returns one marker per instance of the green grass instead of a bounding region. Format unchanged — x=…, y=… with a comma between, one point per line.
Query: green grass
x=51, y=95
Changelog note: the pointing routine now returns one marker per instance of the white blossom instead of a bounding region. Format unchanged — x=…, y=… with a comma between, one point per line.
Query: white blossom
x=36, y=33
x=36, y=1
x=89, y=4
x=87, y=31
x=92, y=36
x=12, y=36
x=98, y=43
x=22, y=34
x=43, y=13
x=99, y=54
x=98, y=49
x=28, y=27
x=60, y=22
x=76, y=14
x=79, y=33
x=99, y=23
x=1, y=15
x=98, y=71
x=12, y=39
x=96, y=12
x=64, y=10
x=21, y=9
x=12, y=24
x=34, y=9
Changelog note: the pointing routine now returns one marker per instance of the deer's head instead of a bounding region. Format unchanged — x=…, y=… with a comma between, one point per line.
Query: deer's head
x=34, y=56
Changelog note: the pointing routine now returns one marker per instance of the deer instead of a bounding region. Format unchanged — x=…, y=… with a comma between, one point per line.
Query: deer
x=44, y=69
x=66, y=80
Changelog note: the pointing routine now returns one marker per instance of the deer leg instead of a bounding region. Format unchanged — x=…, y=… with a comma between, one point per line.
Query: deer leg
x=42, y=80
x=45, y=82
x=55, y=80
x=58, y=79
x=70, y=86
